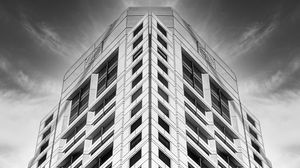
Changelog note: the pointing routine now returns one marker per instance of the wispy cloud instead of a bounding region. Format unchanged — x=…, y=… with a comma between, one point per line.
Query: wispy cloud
x=253, y=37
x=18, y=83
x=47, y=37
x=282, y=83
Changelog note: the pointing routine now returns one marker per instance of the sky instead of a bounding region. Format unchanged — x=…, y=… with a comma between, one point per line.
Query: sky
x=41, y=39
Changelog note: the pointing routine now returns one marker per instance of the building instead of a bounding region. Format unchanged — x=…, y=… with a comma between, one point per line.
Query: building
x=149, y=93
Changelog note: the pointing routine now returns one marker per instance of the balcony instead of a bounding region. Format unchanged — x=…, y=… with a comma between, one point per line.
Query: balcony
x=72, y=159
x=202, y=161
x=101, y=158
x=228, y=158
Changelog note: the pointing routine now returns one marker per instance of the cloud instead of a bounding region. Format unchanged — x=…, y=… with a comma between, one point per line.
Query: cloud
x=281, y=83
x=253, y=37
x=16, y=84
x=45, y=35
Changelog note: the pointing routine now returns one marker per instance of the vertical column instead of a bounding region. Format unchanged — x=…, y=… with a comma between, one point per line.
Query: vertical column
x=93, y=88
x=206, y=88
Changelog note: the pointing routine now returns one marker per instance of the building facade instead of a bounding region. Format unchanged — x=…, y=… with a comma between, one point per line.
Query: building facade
x=149, y=93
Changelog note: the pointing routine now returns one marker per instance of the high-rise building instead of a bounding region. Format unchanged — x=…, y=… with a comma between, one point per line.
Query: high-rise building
x=149, y=93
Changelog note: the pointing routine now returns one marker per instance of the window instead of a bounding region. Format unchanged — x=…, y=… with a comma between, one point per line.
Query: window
x=253, y=133
x=164, y=141
x=74, y=130
x=255, y=146
x=49, y=119
x=136, y=109
x=162, y=80
x=163, y=124
x=251, y=120
x=192, y=98
x=101, y=130
x=104, y=156
x=195, y=156
x=191, y=73
x=135, y=141
x=163, y=94
x=108, y=73
x=44, y=146
x=138, y=29
x=257, y=160
x=137, y=66
x=137, y=41
x=162, y=41
x=162, y=53
x=163, y=157
x=137, y=53
x=136, y=94
x=161, y=29
x=46, y=133
x=136, y=124
x=196, y=128
x=220, y=102
x=163, y=109
x=135, y=158
x=41, y=160
x=79, y=102
x=105, y=100
x=137, y=80
x=162, y=66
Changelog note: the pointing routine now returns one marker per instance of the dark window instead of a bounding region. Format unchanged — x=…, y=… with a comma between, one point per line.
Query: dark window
x=163, y=94
x=136, y=109
x=108, y=73
x=257, y=160
x=49, y=119
x=196, y=128
x=74, y=130
x=251, y=120
x=137, y=66
x=163, y=124
x=137, y=80
x=162, y=108
x=135, y=141
x=220, y=102
x=162, y=79
x=164, y=141
x=136, y=94
x=196, y=157
x=137, y=41
x=255, y=146
x=162, y=66
x=162, y=41
x=105, y=156
x=136, y=124
x=46, y=133
x=192, y=98
x=253, y=133
x=103, y=128
x=162, y=156
x=41, y=160
x=191, y=73
x=137, y=53
x=161, y=29
x=44, y=146
x=138, y=29
x=79, y=102
x=106, y=99
x=162, y=53
x=135, y=158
